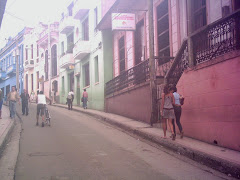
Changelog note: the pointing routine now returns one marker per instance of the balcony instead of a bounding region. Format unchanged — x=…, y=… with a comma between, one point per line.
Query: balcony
x=29, y=64
x=43, y=37
x=67, y=25
x=2, y=75
x=81, y=49
x=66, y=60
x=11, y=69
x=80, y=9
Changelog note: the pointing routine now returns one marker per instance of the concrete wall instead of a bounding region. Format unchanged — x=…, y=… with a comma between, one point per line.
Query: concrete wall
x=212, y=108
x=133, y=103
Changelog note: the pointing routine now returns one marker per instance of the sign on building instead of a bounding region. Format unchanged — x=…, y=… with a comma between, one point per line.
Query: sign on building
x=123, y=21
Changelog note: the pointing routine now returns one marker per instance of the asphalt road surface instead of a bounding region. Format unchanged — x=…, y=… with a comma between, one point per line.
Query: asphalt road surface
x=78, y=146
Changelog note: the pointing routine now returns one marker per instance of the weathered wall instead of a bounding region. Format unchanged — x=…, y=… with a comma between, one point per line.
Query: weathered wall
x=134, y=104
x=212, y=108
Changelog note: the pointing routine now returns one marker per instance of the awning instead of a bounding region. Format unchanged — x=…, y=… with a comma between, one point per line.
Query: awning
x=121, y=6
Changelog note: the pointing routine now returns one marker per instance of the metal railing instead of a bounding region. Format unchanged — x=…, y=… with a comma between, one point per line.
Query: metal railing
x=136, y=75
x=217, y=38
x=180, y=63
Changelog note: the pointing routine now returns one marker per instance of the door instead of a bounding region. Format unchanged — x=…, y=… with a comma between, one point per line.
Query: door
x=78, y=91
x=139, y=43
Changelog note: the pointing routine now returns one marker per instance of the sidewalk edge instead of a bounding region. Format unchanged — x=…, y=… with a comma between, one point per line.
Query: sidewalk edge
x=6, y=135
x=224, y=166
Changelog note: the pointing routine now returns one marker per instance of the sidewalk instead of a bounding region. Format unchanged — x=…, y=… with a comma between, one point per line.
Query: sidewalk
x=222, y=159
x=6, y=127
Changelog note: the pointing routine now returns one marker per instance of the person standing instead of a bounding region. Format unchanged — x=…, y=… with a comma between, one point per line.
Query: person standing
x=167, y=111
x=32, y=96
x=1, y=103
x=41, y=103
x=13, y=97
x=70, y=98
x=85, y=99
x=25, y=98
x=178, y=111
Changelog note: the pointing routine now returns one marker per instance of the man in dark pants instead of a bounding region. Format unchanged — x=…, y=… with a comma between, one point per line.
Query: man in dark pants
x=25, y=98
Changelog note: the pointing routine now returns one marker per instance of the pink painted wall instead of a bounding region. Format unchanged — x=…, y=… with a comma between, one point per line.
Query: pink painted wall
x=212, y=103
x=133, y=104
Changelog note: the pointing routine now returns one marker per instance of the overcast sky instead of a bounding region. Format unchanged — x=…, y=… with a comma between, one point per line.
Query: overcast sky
x=21, y=13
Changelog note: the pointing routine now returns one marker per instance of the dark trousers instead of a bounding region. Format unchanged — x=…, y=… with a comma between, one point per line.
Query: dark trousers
x=69, y=102
x=178, y=112
x=25, y=108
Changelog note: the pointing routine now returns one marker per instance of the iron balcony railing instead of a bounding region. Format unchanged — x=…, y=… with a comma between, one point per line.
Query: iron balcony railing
x=136, y=75
x=217, y=38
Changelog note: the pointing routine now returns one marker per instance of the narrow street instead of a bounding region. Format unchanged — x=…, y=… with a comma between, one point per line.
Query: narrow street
x=77, y=146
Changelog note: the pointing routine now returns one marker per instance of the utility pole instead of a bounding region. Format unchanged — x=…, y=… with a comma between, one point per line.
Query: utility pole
x=153, y=91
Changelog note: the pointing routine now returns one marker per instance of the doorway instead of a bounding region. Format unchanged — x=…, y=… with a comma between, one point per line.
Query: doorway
x=78, y=91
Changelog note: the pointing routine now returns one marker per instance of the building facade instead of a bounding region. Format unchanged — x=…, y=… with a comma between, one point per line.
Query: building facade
x=87, y=65
x=12, y=51
x=46, y=69
x=196, y=46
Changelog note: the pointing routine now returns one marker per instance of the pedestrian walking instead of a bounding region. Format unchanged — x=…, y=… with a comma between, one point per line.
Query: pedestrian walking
x=167, y=111
x=25, y=99
x=1, y=103
x=32, y=96
x=177, y=110
x=70, y=99
x=85, y=98
x=41, y=104
x=13, y=97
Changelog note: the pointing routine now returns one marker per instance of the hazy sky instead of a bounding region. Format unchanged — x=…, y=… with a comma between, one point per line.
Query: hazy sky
x=21, y=13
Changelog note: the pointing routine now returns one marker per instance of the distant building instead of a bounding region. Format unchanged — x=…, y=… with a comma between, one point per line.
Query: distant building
x=12, y=51
x=85, y=60
x=41, y=60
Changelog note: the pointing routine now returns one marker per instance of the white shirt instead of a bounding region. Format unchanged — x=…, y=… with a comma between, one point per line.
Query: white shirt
x=42, y=99
x=177, y=98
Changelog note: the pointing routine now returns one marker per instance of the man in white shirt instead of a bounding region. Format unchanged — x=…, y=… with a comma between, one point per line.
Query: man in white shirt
x=41, y=103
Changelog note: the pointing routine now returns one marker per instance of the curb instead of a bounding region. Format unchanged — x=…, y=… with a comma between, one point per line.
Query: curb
x=224, y=166
x=4, y=138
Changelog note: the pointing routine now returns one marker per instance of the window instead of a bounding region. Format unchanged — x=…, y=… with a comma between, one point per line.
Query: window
x=37, y=53
x=32, y=50
x=54, y=60
x=86, y=75
x=46, y=65
x=163, y=30
x=63, y=89
x=26, y=54
x=139, y=42
x=95, y=19
x=32, y=82
x=121, y=46
x=70, y=43
x=199, y=14
x=85, y=29
x=62, y=48
x=37, y=79
x=96, y=69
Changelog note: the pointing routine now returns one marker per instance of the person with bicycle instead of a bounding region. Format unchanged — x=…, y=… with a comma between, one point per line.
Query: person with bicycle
x=41, y=104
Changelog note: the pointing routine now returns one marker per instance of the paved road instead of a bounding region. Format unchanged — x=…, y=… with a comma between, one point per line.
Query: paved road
x=78, y=146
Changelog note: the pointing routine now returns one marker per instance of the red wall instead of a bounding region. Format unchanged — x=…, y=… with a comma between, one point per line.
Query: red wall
x=134, y=104
x=212, y=103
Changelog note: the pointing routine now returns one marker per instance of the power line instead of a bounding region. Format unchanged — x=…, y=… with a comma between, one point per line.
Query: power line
x=9, y=13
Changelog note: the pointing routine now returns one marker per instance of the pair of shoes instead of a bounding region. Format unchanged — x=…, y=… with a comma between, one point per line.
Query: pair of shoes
x=173, y=137
x=42, y=124
x=37, y=124
x=181, y=135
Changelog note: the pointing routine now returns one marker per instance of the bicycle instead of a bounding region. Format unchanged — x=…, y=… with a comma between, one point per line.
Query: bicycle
x=47, y=117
